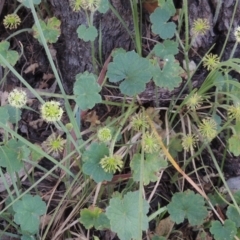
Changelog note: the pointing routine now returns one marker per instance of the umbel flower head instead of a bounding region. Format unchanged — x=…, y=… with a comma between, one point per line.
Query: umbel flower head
x=111, y=164
x=210, y=61
x=90, y=5
x=54, y=145
x=237, y=34
x=138, y=121
x=17, y=98
x=75, y=5
x=11, y=21
x=104, y=134
x=234, y=111
x=150, y=143
x=51, y=111
x=189, y=141
x=194, y=101
x=208, y=129
x=200, y=26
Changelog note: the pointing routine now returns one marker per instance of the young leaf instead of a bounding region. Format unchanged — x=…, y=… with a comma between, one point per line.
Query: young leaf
x=217, y=199
x=104, y=6
x=91, y=165
x=168, y=77
x=158, y=238
x=168, y=47
x=236, y=196
x=222, y=232
x=28, y=211
x=51, y=30
x=4, y=116
x=94, y=217
x=87, y=90
x=233, y=215
x=9, y=156
x=14, y=114
x=27, y=237
x=160, y=25
x=124, y=214
x=87, y=34
x=26, y=2
x=187, y=205
x=133, y=69
x=152, y=164
x=10, y=56
x=167, y=5
x=233, y=142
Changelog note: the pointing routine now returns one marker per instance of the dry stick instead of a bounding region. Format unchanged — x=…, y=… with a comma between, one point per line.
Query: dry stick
x=176, y=166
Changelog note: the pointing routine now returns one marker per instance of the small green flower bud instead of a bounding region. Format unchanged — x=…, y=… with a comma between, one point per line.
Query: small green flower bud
x=69, y=127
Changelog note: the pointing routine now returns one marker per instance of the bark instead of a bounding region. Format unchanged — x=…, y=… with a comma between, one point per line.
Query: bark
x=75, y=55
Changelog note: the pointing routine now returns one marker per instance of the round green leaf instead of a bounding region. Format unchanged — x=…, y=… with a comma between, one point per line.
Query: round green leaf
x=10, y=56
x=51, y=30
x=132, y=69
x=187, y=205
x=87, y=34
x=104, y=6
x=160, y=25
x=28, y=211
x=92, y=158
x=27, y=4
x=152, y=164
x=124, y=215
x=87, y=91
x=223, y=232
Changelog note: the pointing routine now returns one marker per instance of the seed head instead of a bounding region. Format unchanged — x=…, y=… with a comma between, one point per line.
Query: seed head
x=111, y=164
x=54, y=145
x=138, y=121
x=11, y=21
x=51, y=111
x=104, y=134
x=200, y=26
x=17, y=98
x=194, y=101
x=210, y=61
x=234, y=111
x=208, y=129
x=90, y=5
x=150, y=143
x=237, y=34
x=189, y=141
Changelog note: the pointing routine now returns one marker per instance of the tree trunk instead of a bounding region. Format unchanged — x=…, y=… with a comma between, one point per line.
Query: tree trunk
x=75, y=54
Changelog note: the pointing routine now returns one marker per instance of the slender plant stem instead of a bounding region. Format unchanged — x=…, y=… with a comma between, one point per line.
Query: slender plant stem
x=66, y=102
